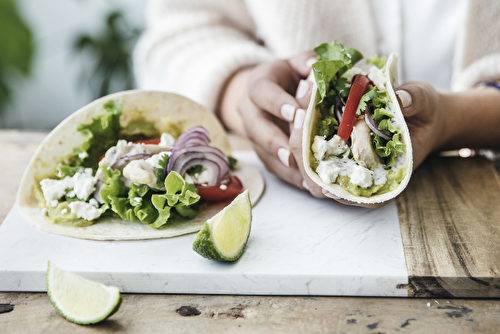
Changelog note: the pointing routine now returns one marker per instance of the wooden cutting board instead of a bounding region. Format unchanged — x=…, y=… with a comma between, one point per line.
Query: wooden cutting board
x=450, y=224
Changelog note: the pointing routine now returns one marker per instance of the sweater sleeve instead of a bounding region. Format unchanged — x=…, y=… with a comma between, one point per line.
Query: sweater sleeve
x=193, y=47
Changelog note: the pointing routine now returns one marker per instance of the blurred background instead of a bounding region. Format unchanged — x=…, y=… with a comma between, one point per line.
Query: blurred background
x=58, y=55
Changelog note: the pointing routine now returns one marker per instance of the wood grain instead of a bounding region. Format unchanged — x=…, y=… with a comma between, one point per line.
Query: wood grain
x=450, y=226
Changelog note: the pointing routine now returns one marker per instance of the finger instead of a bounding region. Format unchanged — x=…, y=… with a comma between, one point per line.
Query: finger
x=304, y=92
x=301, y=63
x=296, y=150
x=289, y=174
x=263, y=132
x=413, y=97
x=267, y=94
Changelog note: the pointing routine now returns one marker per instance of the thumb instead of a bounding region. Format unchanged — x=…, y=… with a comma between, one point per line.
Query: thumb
x=405, y=102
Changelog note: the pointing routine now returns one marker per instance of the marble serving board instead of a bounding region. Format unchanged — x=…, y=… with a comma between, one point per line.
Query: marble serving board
x=299, y=245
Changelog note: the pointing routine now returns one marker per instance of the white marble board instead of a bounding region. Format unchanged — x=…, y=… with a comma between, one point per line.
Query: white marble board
x=299, y=245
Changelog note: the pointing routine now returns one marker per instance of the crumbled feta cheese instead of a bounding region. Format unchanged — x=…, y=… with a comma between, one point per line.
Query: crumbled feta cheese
x=83, y=155
x=322, y=148
x=198, y=178
x=328, y=171
x=54, y=203
x=63, y=211
x=361, y=176
x=94, y=202
x=138, y=199
x=55, y=189
x=154, y=160
x=377, y=76
x=166, y=140
x=85, y=210
x=84, y=184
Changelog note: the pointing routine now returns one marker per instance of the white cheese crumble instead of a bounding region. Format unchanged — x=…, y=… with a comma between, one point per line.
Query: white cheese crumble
x=166, y=140
x=81, y=185
x=85, y=210
x=154, y=160
x=328, y=170
x=63, y=211
x=321, y=147
x=377, y=76
x=83, y=155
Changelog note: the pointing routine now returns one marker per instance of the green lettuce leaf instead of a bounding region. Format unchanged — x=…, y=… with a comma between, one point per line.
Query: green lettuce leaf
x=333, y=58
x=102, y=133
x=389, y=150
x=377, y=61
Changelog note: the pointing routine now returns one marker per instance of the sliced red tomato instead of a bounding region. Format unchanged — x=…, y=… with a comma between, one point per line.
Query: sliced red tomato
x=149, y=141
x=215, y=193
x=357, y=90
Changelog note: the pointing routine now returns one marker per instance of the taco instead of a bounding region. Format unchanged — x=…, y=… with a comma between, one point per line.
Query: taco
x=356, y=143
x=133, y=165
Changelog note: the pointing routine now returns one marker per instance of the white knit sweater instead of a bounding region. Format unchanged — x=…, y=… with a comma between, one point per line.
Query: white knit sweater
x=192, y=47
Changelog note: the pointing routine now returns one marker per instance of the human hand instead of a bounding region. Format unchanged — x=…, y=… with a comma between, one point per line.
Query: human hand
x=263, y=98
x=422, y=109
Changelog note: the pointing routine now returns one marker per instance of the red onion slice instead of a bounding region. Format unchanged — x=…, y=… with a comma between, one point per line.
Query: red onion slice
x=191, y=149
x=97, y=195
x=193, y=137
x=373, y=126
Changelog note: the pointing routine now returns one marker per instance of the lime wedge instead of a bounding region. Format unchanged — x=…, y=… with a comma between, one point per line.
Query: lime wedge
x=80, y=300
x=224, y=237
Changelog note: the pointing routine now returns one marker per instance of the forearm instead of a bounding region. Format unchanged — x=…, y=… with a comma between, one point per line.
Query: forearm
x=470, y=119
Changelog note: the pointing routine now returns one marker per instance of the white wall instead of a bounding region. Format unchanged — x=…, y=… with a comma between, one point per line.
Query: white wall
x=56, y=89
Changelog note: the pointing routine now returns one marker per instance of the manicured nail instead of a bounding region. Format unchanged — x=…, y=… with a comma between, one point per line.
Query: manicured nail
x=300, y=114
x=284, y=155
x=304, y=184
x=311, y=61
x=302, y=89
x=405, y=98
x=288, y=112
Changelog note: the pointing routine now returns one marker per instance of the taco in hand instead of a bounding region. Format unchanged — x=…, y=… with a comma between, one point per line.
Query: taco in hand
x=133, y=165
x=356, y=143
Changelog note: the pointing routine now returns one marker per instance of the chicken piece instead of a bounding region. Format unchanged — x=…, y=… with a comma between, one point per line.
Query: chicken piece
x=140, y=172
x=361, y=147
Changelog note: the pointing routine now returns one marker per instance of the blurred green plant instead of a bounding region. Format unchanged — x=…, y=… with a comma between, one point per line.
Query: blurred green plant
x=111, y=49
x=16, y=49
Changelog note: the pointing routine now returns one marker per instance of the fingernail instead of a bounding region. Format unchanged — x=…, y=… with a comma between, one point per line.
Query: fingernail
x=284, y=155
x=304, y=184
x=288, y=112
x=311, y=61
x=302, y=89
x=405, y=98
x=300, y=114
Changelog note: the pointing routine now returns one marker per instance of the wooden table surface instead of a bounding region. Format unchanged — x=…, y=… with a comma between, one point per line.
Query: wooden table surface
x=451, y=203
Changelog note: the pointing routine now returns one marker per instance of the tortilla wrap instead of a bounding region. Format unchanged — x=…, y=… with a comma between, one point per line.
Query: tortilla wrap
x=166, y=112
x=391, y=73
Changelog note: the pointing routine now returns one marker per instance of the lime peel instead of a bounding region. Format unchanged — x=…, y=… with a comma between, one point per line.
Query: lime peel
x=80, y=300
x=225, y=235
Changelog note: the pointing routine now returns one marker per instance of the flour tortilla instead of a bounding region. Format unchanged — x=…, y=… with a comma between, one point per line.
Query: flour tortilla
x=168, y=112
x=391, y=72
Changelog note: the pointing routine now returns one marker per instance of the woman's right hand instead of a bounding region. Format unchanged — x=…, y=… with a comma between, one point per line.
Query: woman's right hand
x=262, y=103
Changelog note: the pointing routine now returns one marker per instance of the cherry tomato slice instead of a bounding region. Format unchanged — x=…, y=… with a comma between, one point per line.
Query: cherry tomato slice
x=149, y=141
x=357, y=90
x=215, y=193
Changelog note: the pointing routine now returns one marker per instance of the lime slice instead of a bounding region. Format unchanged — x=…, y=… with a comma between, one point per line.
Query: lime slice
x=80, y=300
x=224, y=237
